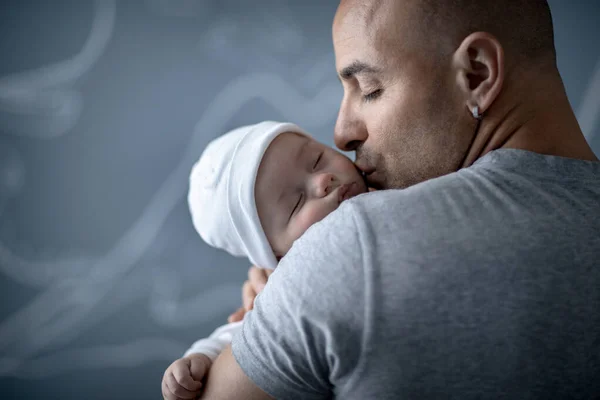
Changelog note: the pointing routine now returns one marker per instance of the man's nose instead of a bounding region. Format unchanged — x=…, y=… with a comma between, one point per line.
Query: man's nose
x=322, y=184
x=349, y=132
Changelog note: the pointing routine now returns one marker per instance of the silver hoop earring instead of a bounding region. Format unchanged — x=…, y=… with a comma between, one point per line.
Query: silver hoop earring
x=475, y=112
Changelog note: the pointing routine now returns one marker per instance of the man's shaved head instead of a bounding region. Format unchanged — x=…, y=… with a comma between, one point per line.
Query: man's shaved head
x=524, y=27
x=413, y=70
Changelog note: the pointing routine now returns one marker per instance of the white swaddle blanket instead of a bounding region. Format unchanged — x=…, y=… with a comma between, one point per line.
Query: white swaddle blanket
x=213, y=345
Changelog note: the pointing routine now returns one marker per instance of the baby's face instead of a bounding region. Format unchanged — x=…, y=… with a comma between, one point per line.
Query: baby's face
x=299, y=182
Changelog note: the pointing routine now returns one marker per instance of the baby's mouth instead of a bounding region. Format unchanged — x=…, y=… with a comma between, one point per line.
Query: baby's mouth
x=345, y=191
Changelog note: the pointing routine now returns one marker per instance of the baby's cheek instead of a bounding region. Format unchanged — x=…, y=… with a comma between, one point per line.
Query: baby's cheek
x=302, y=223
x=344, y=166
x=308, y=217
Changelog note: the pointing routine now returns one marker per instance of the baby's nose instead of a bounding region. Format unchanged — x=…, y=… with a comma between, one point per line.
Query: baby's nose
x=323, y=184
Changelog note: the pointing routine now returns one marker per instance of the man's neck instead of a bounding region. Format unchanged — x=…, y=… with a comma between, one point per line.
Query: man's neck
x=545, y=124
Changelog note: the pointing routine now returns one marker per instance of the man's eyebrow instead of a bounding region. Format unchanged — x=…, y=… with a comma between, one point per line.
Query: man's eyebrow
x=357, y=68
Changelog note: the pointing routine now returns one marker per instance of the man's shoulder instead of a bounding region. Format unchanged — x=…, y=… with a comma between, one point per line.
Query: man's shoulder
x=433, y=199
x=372, y=217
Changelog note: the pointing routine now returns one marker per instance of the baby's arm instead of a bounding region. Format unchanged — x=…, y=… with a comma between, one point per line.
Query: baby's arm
x=184, y=377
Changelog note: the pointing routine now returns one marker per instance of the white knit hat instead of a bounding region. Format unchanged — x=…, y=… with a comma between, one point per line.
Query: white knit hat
x=221, y=194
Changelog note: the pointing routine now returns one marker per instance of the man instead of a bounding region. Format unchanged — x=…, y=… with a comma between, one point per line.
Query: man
x=481, y=279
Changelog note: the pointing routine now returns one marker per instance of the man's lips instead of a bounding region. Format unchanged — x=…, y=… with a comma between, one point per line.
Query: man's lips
x=368, y=174
x=364, y=167
x=365, y=170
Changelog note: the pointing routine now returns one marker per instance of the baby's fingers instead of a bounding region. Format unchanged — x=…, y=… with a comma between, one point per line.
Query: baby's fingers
x=178, y=391
x=167, y=395
x=166, y=392
x=248, y=296
x=238, y=315
x=258, y=278
x=183, y=376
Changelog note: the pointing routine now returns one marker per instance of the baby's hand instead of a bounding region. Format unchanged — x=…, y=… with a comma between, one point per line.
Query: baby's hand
x=257, y=279
x=183, y=379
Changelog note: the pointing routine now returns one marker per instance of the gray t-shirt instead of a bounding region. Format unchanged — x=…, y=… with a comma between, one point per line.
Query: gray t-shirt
x=484, y=283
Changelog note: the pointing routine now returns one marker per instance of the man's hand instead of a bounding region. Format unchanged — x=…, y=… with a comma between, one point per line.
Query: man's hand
x=183, y=379
x=257, y=279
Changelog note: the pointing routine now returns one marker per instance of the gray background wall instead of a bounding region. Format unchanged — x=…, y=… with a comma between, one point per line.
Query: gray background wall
x=104, y=106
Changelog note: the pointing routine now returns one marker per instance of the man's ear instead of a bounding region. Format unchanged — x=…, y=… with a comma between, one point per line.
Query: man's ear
x=479, y=69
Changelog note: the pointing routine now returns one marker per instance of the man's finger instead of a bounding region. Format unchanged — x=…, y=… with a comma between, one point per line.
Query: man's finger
x=238, y=315
x=177, y=390
x=248, y=295
x=258, y=278
x=183, y=376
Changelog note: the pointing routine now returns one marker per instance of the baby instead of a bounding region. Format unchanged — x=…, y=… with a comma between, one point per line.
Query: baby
x=253, y=192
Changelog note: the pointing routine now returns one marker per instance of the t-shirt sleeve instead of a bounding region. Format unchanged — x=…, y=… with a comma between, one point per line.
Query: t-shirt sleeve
x=304, y=334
